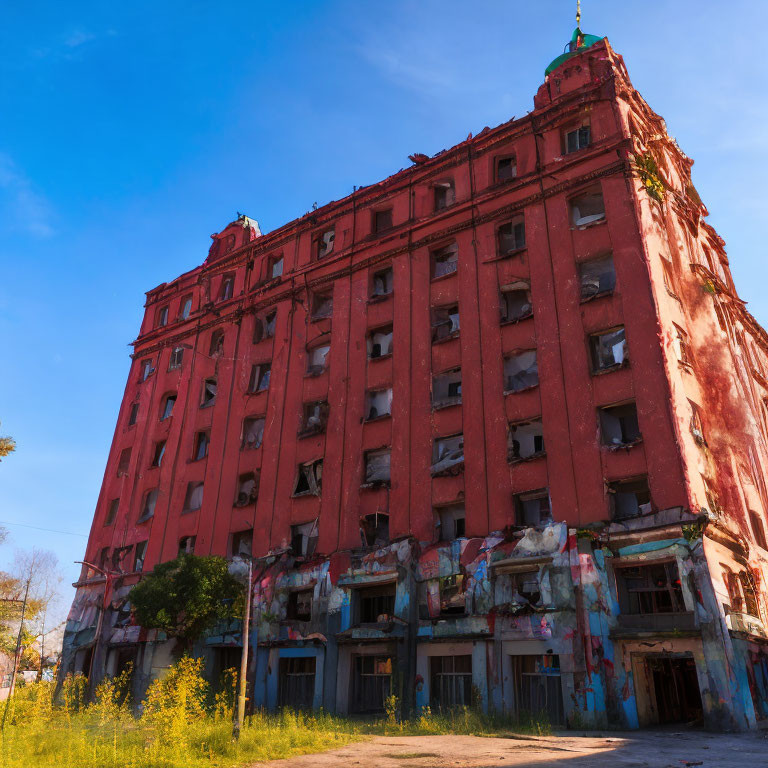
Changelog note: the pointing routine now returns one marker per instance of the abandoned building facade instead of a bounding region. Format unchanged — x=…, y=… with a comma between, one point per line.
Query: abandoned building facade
x=493, y=431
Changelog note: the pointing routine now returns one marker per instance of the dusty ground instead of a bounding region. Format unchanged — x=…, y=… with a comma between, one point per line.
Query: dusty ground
x=645, y=749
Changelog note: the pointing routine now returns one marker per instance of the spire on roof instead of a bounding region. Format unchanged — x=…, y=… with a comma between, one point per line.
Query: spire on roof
x=578, y=14
x=579, y=42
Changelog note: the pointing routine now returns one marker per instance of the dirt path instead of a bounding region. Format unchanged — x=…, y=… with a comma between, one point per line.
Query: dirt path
x=643, y=749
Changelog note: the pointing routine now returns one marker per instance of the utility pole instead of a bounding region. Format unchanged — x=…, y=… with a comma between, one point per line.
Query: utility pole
x=244, y=656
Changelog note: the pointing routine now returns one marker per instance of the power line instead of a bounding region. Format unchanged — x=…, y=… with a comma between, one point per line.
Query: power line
x=48, y=530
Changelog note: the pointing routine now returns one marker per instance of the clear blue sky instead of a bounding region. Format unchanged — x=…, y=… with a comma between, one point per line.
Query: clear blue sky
x=132, y=131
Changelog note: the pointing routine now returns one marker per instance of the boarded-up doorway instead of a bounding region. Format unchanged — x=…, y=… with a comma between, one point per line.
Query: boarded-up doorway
x=675, y=688
x=296, y=683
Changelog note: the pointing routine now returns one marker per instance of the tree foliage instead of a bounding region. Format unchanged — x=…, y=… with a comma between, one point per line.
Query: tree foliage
x=7, y=446
x=186, y=596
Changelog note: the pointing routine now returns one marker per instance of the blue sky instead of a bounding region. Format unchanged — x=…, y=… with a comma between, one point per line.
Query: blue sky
x=132, y=131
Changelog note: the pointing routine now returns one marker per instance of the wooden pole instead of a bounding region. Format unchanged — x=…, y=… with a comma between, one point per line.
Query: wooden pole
x=244, y=656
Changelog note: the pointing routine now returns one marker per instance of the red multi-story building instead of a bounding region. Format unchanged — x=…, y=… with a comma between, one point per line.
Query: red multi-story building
x=496, y=424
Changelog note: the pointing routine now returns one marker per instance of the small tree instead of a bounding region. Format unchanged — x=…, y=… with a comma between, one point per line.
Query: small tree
x=186, y=596
x=7, y=446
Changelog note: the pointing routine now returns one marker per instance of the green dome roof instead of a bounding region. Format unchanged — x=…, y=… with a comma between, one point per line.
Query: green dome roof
x=579, y=43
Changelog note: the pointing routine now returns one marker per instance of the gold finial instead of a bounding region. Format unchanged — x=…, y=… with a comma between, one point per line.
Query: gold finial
x=578, y=14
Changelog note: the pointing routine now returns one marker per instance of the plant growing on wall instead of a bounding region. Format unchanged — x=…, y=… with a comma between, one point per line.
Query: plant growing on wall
x=649, y=175
x=186, y=596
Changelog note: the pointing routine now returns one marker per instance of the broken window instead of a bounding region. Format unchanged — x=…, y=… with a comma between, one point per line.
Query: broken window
x=169, y=401
x=733, y=585
x=650, y=588
x=304, y=539
x=275, y=266
x=445, y=260
x=186, y=307
x=521, y=371
x=139, y=556
x=217, y=344
x=242, y=543
x=264, y=327
x=609, y=349
x=697, y=430
x=253, y=432
x=146, y=370
x=177, y=355
x=453, y=598
x=317, y=359
x=587, y=208
x=103, y=558
x=446, y=388
x=577, y=138
x=375, y=604
x=377, y=467
x=447, y=454
x=445, y=194
x=378, y=403
x=629, y=498
x=380, y=342
x=187, y=545
x=227, y=287
x=669, y=279
x=148, y=507
x=750, y=597
x=758, y=529
x=682, y=346
x=209, y=393
x=511, y=236
x=597, y=277
x=124, y=462
x=158, y=453
x=525, y=587
x=134, y=414
x=119, y=557
x=525, y=440
x=202, y=439
x=445, y=322
x=114, y=506
x=162, y=317
x=309, y=478
x=315, y=417
x=247, y=489
x=619, y=425
x=516, y=303
x=382, y=220
x=450, y=685
x=322, y=305
x=506, y=168
x=374, y=530
x=260, y=375
x=325, y=243
x=383, y=282
x=194, y=497
x=299, y=607
x=452, y=522
x=533, y=508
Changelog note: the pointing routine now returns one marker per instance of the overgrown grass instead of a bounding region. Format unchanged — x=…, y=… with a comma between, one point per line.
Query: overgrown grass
x=182, y=725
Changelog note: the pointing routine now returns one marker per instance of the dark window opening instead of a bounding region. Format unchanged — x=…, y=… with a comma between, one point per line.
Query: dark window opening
x=187, y=545
x=168, y=403
x=148, y=507
x=315, y=417
x=296, y=688
x=322, y=305
x=378, y=403
x=146, y=370
x=275, y=267
x=217, y=344
x=260, y=375
x=383, y=282
x=609, y=349
x=538, y=690
x=209, y=393
x=619, y=425
x=453, y=597
x=511, y=236
x=377, y=467
x=242, y=543
x=202, y=440
x=309, y=478
x=587, y=208
x=375, y=604
x=629, y=498
x=325, y=243
x=452, y=522
x=317, y=359
x=516, y=303
x=114, y=506
x=247, y=489
x=445, y=322
x=159, y=452
x=597, y=277
x=140, y=556
x=525, y=441
x=521, y=371
x=577, y=138
x=506, y=168
x=445, y=195
x=446, y=388
x=533, y=508
x=304, y=539
x=380, y=342
x=299, y=606
x=134, y=414
x=382, y=220
x=450, y=684
x=682, y=346
x=177, y=356
x=758, y=530
x=372, y=683
x=253, y=433
x=445, y=260
x=227, y=287
x=194, y=497
x=186, y=307
x=374, y=530
x=162, y=317
x=124, y=462
x=447, y=454
x=120, y=559
x=525, y=587
x=650, y=588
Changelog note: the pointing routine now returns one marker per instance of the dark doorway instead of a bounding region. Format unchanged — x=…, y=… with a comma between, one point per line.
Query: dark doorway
x=296, y=682
x=372, y=683
x=676, y=688
x=226, y=666
x=538, y=689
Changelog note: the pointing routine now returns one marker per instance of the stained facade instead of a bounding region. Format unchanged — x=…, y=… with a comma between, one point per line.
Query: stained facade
x=493, y=430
